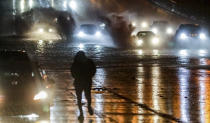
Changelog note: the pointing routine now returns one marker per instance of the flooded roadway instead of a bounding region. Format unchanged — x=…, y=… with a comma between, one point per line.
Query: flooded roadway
x=130, y=86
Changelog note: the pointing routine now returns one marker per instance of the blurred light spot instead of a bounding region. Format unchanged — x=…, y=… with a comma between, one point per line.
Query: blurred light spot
x=139, y=42
x=155, y=52
x=155, y=41
x=22, y=5
x=155, y=30
x=103, y=25
x=202, y=36
x=30, y=3
x=65, y=5
x=81, y=46
x=140, y=52
x=202, y=52
x=98, y=34
x=183, y=36
x=73, y=5
x=133, y=24
x=50, y=30
x=183, y=52
x=81, y=34
x=169, y=30
x=41, y=30
x=43, y=121
x=40, y=42
x=144, y=25
x=50, y=42
x=97, y=46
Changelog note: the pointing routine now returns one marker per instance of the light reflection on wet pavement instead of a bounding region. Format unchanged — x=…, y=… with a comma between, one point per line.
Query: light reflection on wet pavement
x=131, y=86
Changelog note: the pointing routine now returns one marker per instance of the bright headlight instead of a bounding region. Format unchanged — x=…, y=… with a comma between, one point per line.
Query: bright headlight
x=202, y=36
x=50, y=30
x=155, y=41
x=183, y=36
x=155, y=30
x=139, y=42
x=41, y=95
x=98, y=34
x=81, y=34
x=40, y=30
x=169, y=30
x=144, y=25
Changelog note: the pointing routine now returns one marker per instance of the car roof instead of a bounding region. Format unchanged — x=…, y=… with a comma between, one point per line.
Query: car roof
x=190, y=25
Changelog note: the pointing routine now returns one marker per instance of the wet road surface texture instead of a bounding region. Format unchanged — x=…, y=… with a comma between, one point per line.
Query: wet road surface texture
x=130, y=86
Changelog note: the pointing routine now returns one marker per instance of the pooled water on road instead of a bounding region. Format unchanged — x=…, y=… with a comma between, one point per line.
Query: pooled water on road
x=131, y=85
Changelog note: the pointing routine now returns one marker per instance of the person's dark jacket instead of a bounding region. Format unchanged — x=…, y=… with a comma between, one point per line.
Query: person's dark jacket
x=82, y=70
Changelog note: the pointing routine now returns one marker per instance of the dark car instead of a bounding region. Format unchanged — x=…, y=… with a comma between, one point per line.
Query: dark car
x=23, y=86
x=190, y=35
x=147, y=39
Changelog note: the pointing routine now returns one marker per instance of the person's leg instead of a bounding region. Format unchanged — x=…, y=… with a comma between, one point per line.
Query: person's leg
x=79, y=99
x=88, y=97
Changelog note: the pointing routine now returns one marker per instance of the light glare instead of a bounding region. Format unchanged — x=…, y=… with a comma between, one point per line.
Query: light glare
x=73, y=5
x=202, y=36
x=155, y=41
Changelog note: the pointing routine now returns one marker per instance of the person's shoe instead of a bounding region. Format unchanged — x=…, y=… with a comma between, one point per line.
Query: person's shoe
x=90, y=110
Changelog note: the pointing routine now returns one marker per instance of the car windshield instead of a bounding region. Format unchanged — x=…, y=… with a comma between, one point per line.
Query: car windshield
x=191, y=28
x=145, y=34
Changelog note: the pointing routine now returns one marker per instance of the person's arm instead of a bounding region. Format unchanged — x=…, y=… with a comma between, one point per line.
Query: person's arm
x=73, y=70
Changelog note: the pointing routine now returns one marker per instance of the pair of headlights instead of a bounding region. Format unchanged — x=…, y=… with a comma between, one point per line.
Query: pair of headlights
x=41, y=95
x=41, y=30
x=155, y=41
x=184, y=36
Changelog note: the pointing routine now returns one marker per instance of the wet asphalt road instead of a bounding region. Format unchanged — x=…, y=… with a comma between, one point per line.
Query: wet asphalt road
x=130, y=86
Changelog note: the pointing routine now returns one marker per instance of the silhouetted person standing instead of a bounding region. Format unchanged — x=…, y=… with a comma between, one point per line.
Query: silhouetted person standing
x=83, y=69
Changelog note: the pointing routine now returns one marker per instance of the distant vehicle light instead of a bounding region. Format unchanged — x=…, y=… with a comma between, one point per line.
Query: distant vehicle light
x=50, y=30
x=144, y=25
x=169, y=30
x=81, y=34
x=155, y=41
x=155, y=30
x=202, y=36
x=41, y=95
x=40, y=30
x=183, y=36
x=139, y=42
x=98, y=34
x=133, y=24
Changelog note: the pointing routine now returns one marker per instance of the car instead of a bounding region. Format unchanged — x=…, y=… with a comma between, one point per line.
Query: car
x=88, y=31
x=147, y=39
x=191, y=35
x=24, y=87
x=45, y=24
x=162, y=28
